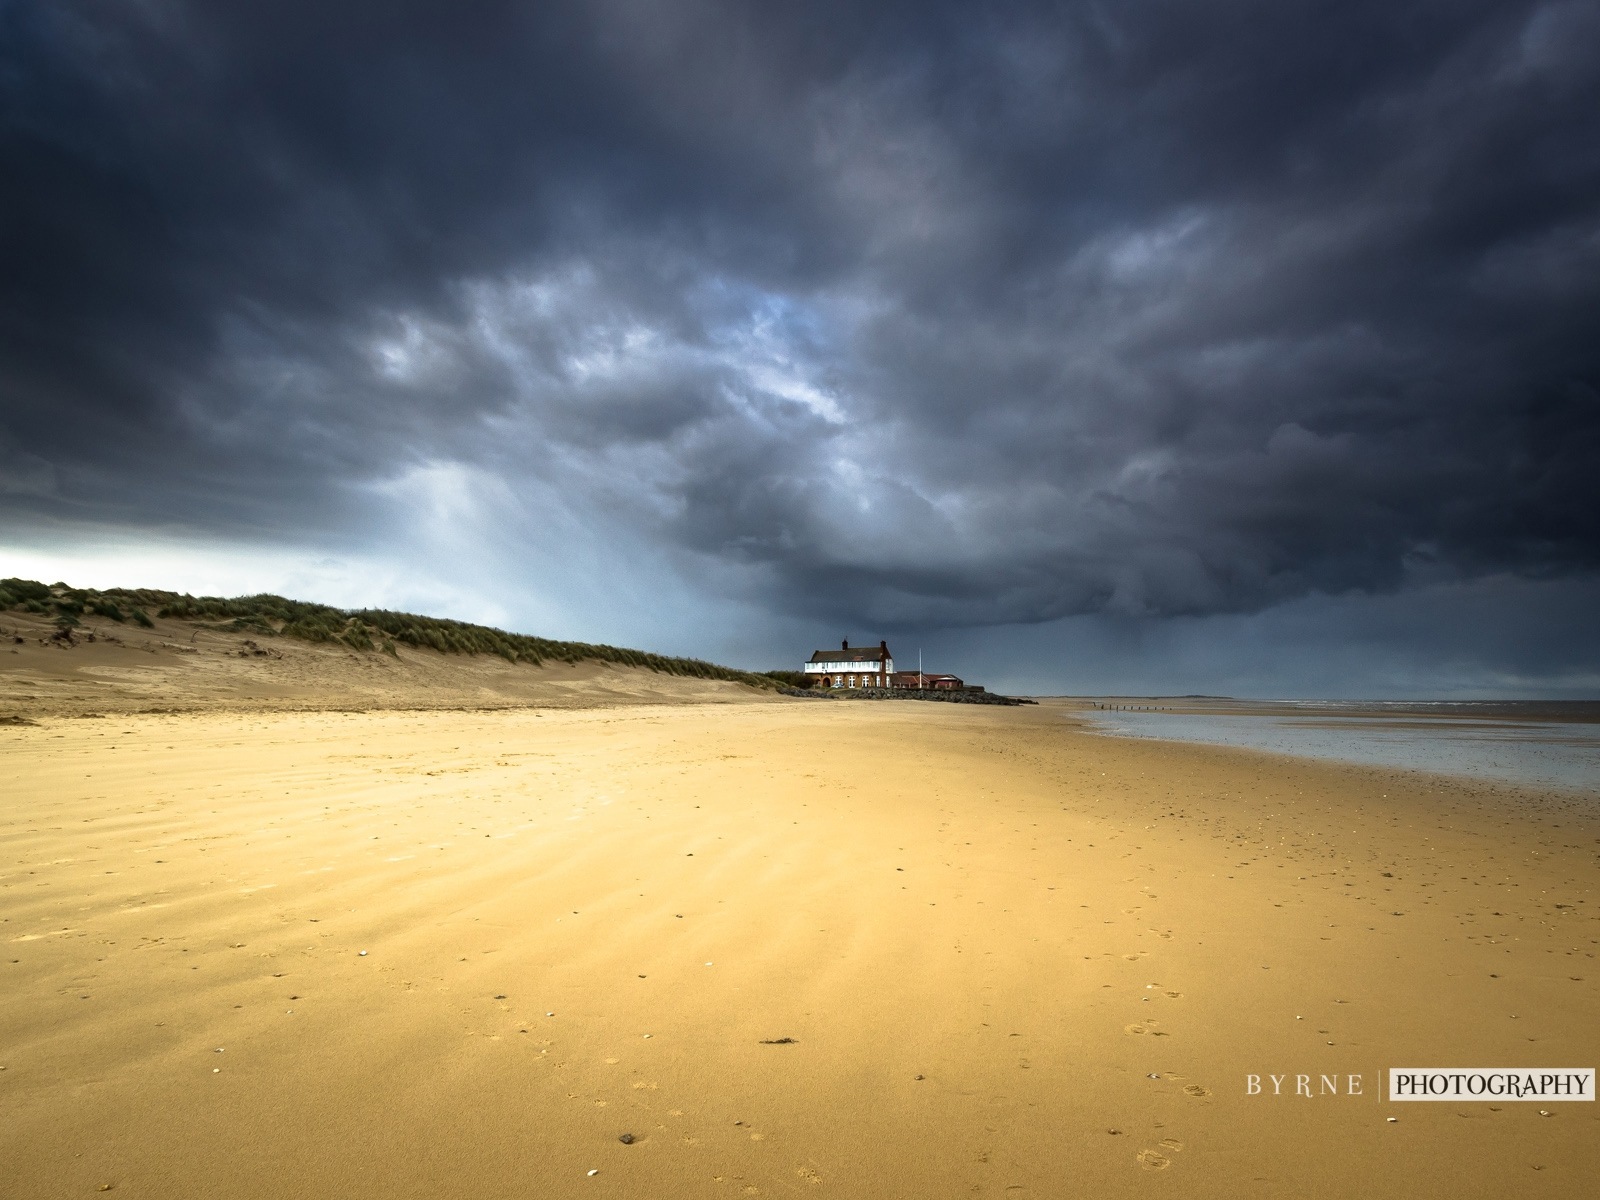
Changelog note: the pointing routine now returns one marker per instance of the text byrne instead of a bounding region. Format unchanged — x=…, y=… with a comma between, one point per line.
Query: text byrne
x=1327, y=1085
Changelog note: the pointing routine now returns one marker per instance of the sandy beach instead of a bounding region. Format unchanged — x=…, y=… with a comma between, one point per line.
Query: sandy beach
x=792, y=948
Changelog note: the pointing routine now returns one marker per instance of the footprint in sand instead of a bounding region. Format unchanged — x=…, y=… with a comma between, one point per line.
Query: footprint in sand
x=1172, y=1144
x=1194, y=1089
x=1135, y=1029
x=640, y=1086
x=1152, y=1161
x=1174, y=995
x=809, y=1175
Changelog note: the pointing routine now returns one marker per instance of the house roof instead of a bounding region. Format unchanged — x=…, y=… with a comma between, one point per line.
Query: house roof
x=872, y=655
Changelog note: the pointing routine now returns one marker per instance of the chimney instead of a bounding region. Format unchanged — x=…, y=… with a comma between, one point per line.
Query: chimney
x=884, y=646
x=845, y=645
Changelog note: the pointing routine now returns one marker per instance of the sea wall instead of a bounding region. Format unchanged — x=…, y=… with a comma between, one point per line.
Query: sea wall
x=944, y=695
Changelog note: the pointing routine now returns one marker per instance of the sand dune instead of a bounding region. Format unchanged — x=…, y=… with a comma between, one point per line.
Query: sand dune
x=180, y=666
x=462, y=954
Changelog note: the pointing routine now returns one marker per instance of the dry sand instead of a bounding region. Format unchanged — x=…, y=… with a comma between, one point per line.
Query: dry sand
x=1016, y=959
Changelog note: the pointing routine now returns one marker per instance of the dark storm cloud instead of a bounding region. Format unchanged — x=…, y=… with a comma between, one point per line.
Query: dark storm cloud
x=959, y=314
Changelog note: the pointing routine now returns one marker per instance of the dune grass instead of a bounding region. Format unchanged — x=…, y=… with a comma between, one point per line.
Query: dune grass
x=366, y=630
x=791, y=679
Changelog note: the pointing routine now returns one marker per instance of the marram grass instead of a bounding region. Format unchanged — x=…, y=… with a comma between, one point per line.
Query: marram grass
x=367, y=630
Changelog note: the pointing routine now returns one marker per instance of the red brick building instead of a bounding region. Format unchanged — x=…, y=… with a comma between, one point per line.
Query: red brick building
x=926, y=679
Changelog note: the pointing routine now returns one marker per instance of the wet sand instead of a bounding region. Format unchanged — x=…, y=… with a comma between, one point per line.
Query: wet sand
x=1014, y=959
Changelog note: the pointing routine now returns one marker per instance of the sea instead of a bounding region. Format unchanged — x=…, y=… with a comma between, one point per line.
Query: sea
x=1543, y=744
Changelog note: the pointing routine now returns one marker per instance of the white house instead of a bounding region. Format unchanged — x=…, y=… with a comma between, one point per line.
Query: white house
x=847, y=668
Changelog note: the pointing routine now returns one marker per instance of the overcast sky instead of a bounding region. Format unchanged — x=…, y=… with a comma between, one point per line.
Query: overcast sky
x=1225, y=347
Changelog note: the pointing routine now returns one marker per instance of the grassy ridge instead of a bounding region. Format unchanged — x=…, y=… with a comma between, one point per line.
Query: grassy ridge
x=792, y=679
x=366, y=629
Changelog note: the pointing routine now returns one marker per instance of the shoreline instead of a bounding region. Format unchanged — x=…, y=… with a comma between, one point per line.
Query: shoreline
x=1545, y=754
x=1579, y=711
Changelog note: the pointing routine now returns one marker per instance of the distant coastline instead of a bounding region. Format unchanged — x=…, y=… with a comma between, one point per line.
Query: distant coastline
x=1537, y=743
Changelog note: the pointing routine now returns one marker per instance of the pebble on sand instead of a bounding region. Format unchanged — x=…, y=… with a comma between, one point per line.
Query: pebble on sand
x=626, y=1139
